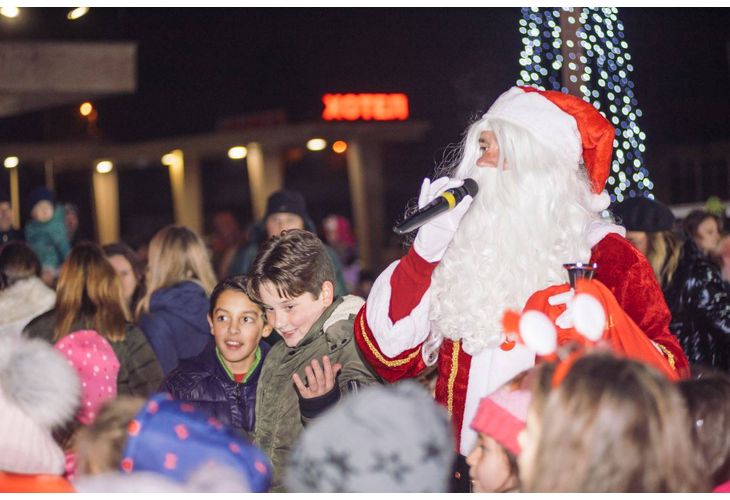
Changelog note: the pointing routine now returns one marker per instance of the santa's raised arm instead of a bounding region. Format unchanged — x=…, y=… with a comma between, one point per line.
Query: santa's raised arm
x=541, y=159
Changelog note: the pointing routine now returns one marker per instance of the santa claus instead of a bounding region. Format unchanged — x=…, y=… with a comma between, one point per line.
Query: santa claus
x=541, y=160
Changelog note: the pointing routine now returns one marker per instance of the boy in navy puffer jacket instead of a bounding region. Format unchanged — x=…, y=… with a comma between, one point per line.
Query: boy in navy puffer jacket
x=222, y=379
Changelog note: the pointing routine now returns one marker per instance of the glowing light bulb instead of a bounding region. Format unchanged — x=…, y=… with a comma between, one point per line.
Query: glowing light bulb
x=316, y=144
x=77, y=13
x=86, y=108
x=11, y=162
x=237, y=152
x=9, y=11
x=104, y=166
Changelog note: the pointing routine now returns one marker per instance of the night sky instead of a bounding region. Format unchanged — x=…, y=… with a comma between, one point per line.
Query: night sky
x=198, y=66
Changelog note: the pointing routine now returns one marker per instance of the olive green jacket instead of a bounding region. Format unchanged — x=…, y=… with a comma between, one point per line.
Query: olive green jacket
x=278, y=420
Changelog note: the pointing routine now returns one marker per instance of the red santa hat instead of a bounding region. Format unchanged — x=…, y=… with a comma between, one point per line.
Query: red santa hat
x=566, y=123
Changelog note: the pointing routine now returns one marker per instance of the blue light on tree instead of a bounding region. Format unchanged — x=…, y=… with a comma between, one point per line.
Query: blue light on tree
x=583, y=51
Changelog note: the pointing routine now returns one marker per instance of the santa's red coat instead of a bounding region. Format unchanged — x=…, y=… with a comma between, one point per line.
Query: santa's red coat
x=624, y=271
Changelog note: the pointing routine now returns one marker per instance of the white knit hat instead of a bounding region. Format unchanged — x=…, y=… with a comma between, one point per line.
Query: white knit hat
x=38, y=392
x=563, y=123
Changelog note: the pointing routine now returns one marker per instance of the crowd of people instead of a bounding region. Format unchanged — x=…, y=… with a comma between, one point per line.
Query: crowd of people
x=533, y=338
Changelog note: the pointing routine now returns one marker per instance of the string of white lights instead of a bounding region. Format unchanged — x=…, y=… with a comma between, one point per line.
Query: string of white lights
x=602, y=69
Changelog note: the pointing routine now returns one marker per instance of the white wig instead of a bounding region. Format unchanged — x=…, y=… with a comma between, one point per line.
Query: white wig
x=529, y=217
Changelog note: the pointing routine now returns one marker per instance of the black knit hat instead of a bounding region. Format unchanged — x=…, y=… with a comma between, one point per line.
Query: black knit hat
x=643, y=214
x=287, y=201
x=39, y=194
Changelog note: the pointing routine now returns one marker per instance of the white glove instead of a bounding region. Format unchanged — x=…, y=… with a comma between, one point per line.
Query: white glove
x=565, y=320
x=434, y=237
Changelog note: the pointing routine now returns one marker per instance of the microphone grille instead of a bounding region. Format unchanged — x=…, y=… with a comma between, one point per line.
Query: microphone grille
x=471, y=186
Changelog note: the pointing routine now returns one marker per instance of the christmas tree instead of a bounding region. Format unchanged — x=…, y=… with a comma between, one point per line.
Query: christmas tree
x=583, y=51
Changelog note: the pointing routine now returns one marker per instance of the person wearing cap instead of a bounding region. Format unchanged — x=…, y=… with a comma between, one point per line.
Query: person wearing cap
x=696, y=294
x=285, y=209
x=407, y=450
x=541, y=160
x=500, y=418
x=171, y=439
x=46, y=232
x=7, y=232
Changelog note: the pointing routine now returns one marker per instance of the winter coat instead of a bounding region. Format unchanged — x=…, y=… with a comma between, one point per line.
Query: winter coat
x=49, y=240
x=21, y=302
x=34, y=483
x=278, y=418
x=10, y=235
x=699, y=301
x=176, y=324
x=204, y=382
x=244, y=257
x=140, y=373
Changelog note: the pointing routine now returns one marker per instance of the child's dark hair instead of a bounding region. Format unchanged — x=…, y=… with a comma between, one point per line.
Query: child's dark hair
x=18, y=261
x=708, y=404
x=239, y=283
x=295, y=262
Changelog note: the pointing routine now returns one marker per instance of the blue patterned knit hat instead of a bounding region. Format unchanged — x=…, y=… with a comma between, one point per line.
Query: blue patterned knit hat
x=174, y=439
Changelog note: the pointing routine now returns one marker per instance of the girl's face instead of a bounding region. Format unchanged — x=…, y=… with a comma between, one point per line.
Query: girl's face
x=126, y=274
x=708, y=236
x=640, y=240
x=528, y=439
x=489, y=468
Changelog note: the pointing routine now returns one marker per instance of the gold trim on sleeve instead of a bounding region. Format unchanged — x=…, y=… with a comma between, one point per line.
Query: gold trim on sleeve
x=379, y=356
x=452, y=376
x=667, y=353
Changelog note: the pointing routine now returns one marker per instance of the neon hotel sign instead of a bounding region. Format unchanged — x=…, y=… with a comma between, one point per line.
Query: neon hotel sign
x=352, y=107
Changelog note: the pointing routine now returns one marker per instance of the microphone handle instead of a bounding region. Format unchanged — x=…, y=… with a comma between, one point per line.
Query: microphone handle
x=436, y=207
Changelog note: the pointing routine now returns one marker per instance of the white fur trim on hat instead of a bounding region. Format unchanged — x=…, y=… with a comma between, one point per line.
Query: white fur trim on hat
x=38, y=380
x=25, y=446
x=38, y=391
x=552, y=126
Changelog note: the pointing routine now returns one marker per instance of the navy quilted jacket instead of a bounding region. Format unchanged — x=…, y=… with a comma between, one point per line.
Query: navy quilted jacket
x=202, y=381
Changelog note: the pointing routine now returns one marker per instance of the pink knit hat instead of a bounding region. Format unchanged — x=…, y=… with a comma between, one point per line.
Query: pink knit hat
x=97, y=367
x=502, y=415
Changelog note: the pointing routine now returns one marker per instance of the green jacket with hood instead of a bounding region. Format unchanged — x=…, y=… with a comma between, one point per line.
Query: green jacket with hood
x=278, y=418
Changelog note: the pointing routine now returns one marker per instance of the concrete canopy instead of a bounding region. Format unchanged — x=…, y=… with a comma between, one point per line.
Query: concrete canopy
x=40, y=75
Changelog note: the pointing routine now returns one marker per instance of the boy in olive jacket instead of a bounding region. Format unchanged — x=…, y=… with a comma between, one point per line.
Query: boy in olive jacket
x=293, y=277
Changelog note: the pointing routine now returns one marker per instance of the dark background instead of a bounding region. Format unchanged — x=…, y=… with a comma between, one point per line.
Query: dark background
x=197, y=66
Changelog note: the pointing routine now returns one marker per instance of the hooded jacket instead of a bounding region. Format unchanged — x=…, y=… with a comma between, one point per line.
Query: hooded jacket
x=699, y=301
x=176, y=324
x=49, y=240
x=21, y=302
x=204, y=382
x=278, y=416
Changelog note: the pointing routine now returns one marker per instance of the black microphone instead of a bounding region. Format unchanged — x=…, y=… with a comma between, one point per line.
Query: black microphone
x=448, y=200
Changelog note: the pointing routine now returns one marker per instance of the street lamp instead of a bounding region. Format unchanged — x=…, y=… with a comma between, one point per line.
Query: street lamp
x=237, y=153
x=104, y=166
x=10, y=12
x=11, y=162
x=76, y=13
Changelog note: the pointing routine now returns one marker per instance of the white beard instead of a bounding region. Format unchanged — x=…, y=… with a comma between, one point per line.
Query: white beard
x=512, y=242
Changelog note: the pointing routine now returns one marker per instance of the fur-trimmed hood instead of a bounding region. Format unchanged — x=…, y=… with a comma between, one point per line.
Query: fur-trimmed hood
x=23, y=301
